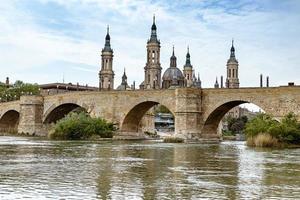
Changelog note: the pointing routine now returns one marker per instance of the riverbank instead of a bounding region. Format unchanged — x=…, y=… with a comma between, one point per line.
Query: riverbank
x=264, y=131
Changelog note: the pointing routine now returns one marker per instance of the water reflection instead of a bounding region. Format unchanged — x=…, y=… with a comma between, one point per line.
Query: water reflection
x=37, y=169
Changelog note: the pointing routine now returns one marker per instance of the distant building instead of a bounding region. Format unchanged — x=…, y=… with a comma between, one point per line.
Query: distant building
x=164, y=122
x=55, y=88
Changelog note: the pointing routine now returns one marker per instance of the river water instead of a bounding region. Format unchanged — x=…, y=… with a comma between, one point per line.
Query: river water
x=32, y=168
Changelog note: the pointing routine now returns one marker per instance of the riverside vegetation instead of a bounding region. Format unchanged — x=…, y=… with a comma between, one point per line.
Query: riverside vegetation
x=264, y=131
x=77, y=126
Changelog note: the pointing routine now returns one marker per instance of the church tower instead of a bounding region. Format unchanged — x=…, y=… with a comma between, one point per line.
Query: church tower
x=232, y=80
x=106, y=74
x=188, y=70
x=153, y=69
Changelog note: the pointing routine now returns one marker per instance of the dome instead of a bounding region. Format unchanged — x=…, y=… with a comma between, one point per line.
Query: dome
x=173, y=73
x=123, y=87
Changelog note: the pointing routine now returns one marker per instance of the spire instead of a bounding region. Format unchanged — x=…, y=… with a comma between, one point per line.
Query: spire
x=173, y=51
x=173, y=59
x=107, y=34
x=124, y=78
x=188, y=58
x=153, y=25
x=153, y=37
x=216, y=83
x=198, y=81
x=107, y=46
x=232, y=50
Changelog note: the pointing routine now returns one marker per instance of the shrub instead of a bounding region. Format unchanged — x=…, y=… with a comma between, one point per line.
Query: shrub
x=285, y=131
x=173, y=140
x=77, y=126
x=259, y=124
x=152, y=134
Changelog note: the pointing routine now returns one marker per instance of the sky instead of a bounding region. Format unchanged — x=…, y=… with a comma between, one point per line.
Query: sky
x=44, y=41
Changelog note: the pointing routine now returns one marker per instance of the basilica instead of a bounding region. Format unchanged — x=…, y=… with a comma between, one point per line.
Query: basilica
x=153, y=79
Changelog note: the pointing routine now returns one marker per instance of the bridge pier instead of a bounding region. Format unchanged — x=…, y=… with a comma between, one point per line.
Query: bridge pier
x=31, y=115
x=187, y=126
x=189, y=115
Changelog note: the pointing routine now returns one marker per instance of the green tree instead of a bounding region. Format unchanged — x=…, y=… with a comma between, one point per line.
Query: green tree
x=18, y=89
x=260, y=124
x=162, y=109
x=236, y=125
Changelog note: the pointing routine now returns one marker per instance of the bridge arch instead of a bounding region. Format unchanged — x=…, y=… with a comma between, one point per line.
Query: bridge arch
x=215, y=115
x=57, y=112
x=133, y=118
x=9, y=121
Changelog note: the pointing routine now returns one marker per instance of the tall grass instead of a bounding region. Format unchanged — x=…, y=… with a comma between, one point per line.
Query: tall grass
x=263, y=140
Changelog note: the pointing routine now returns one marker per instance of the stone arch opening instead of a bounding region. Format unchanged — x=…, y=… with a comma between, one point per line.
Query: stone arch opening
x=138, y=115
x=9, y=121
x=61, y=111
x=213, y=120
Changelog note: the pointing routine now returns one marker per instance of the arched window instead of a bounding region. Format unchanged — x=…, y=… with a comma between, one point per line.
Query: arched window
x=153, y=56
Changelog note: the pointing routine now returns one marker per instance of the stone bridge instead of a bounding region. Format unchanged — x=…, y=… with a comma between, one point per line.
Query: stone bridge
x=197, y=112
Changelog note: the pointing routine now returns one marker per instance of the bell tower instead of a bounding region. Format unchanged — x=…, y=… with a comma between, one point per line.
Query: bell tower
x=188, y=70
x=153, y=68
x=232, y=80
x=106, y=74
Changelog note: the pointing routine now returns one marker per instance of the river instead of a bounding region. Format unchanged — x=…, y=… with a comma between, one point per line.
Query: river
x=32, y=168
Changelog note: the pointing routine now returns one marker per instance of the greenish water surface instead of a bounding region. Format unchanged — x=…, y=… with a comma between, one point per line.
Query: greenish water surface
x=32, y=168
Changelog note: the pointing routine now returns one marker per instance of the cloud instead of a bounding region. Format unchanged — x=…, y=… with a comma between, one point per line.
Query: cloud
x=42, y=39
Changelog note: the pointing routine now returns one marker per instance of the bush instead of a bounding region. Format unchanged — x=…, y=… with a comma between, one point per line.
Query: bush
x=173, y=140
x=77, y=126
x=285, y=131
x=152, y=134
